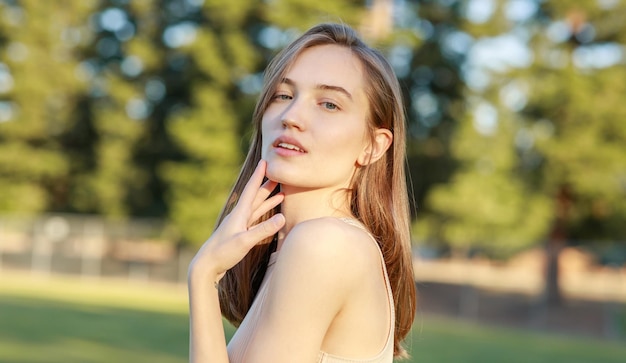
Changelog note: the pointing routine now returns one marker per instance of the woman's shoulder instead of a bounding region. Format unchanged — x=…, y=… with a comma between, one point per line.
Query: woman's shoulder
x=331, y=240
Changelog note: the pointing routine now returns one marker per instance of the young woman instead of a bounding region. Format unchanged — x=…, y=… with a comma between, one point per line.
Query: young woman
x=311, y=257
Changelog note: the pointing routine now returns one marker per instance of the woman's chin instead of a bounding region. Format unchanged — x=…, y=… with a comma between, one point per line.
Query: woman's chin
x=280, y=177
x=288, y=175
x=273, y=174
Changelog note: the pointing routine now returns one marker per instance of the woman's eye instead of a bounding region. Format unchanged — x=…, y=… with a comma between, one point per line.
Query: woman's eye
x=282, y=97
x=330, y=106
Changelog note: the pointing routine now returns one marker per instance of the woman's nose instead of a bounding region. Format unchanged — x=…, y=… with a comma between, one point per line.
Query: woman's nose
x=294, y=116
x=291, y=123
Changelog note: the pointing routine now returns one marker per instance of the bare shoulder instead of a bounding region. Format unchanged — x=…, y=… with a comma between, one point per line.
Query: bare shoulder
x=328, y=241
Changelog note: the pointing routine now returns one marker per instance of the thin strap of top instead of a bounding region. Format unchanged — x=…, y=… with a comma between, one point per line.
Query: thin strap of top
x=386, y=354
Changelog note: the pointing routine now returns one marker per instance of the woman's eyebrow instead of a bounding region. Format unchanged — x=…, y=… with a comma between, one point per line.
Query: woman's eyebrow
x=334, y=88
x=287, y=81
x=329, y=87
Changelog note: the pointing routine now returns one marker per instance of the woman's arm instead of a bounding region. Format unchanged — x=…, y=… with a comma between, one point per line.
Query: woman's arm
x=230, y=242
x=206, y=333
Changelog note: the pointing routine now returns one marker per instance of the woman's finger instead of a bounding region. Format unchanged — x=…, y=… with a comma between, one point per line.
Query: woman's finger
x=252, y=186
x=266, y=189
x=264, y=230
x=265, y=207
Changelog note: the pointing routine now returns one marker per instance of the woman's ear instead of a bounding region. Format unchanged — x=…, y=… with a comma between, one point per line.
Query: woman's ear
x=376, y=149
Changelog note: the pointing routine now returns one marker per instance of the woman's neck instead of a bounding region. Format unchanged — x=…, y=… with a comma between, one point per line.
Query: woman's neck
x=300, y=205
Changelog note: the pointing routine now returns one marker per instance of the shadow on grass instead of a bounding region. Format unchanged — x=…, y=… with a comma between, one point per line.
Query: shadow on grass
x=443, y=340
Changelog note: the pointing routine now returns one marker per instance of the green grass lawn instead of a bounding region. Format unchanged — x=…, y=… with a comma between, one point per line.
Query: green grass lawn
x=69, y=320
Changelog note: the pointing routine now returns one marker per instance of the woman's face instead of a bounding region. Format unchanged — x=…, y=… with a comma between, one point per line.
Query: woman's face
x=314, y=129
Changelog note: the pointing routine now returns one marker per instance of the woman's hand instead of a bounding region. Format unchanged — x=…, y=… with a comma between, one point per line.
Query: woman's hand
x=236, y=235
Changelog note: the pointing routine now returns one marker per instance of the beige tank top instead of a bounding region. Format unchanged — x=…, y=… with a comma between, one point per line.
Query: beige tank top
x=239, y=343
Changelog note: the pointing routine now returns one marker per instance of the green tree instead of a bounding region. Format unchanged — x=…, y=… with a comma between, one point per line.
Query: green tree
x=576, y=94
x=541, y=149
x=433, y=89
x=115, y=112
x=38, y=93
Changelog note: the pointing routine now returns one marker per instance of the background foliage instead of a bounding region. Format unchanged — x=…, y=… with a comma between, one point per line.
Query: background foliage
x=141, y=108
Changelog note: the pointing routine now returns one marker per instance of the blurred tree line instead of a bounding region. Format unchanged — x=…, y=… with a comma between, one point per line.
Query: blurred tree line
x=130, y=108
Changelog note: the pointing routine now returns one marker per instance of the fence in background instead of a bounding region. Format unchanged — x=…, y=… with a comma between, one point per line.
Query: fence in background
x=92, y=247
x=512, y=292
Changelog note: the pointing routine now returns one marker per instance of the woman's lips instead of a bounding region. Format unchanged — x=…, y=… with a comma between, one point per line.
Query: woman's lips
x=285, y=145
x=288, y=146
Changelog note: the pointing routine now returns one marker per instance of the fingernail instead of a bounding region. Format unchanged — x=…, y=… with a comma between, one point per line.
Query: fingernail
x=278, y=219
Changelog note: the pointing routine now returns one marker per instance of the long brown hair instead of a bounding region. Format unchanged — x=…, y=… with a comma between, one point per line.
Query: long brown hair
x=379, y=196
